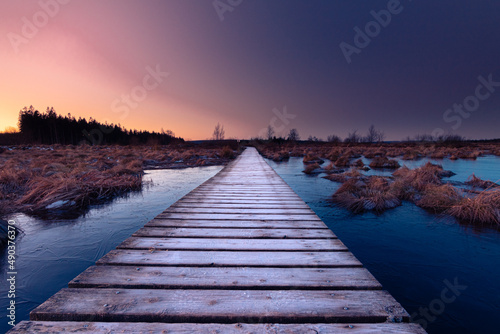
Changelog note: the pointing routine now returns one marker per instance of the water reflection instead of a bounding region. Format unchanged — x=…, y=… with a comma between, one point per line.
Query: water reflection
x=51, y=253
x=412, y=252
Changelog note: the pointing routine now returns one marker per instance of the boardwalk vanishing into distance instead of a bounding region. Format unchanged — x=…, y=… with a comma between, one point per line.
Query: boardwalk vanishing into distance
x=242, y=253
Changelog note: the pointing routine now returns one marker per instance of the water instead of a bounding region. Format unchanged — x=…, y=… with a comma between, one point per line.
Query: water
x=484, y=167
x=50, y=254
x=414, y=254
x=411, y=252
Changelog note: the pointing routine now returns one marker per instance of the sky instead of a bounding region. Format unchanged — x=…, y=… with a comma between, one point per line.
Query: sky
x=321, y=66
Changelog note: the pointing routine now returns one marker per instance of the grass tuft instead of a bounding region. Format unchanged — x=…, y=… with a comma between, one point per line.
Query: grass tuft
x=483, y=209
x=476, y=182
x=374, y=194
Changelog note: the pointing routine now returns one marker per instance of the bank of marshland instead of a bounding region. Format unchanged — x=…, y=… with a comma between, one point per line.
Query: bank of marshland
x=54, y=180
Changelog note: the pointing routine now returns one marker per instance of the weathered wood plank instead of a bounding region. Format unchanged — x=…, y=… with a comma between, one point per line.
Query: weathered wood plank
x=241, y=204
x=233, y=244
x=226, y=216
x=204, y=200
x=256, y=193
x=189, y=328
x=239, y=199
x=244, y=186
x=229, y=258
x=247, y=233
x=225, y=278
x=233, y=211
x=256, y=224
x=224, y=306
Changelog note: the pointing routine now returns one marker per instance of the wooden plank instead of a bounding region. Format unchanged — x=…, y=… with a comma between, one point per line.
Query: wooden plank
x=244, y=186
x=229, y=258
x=189, y=328
x=234, y=199
x=239, y=201
x=224, y=306
x=160, y=222
x=247, y=233
x=277, y=191
x=233, y=211
x=227, y=216
x=233, y=244
x=256, y=193
x=259, y=206
x=225, y=278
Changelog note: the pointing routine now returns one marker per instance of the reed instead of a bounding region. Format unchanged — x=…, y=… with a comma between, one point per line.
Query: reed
x=481, y=209
x=384, y=162
x=439, y=198
x=311, y=158
x=374, y=194
x=51, y=180
x=310, y=168
x=343, y=161
x=343, y=176
x=476, y=182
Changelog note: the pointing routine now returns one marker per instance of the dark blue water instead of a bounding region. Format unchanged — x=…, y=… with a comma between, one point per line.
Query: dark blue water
x=50, y=254
x=411, y=252
x=414, y=254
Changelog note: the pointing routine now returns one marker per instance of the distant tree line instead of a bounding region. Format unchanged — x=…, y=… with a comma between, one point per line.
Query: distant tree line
x=373, y=135
x=48, y=128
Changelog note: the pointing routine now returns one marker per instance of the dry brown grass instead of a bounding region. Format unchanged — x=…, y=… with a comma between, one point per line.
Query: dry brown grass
x=47, y=180
x=373, y=194
x=343, y=176
x=383, y=162
x=476, y=182
x=359, y=163
x=343, y=161
x=481, y=209
x=439, y=198
x=310, y=168
x=423, y=186
x=422, y=177
x=311, y=158
x=279, y=156
x=330, y=167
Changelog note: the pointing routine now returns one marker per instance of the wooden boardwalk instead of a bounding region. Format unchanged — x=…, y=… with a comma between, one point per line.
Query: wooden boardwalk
x=242, y=253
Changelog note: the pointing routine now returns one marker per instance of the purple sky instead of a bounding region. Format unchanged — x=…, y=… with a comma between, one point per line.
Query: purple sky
x=95, y=58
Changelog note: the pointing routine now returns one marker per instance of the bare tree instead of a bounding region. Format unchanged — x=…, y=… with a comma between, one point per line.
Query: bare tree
x=374, y=135
x=219, y=132
x=293, y=135
x=270, y=132
x=380, y=136
x=353, y=137
x=333, y=139
x=313, y=138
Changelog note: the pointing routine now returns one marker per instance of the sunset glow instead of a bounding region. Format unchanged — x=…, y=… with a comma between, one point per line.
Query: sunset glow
x=81, y=56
